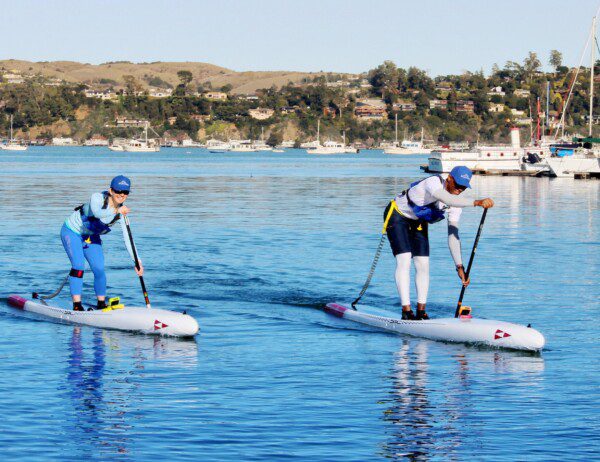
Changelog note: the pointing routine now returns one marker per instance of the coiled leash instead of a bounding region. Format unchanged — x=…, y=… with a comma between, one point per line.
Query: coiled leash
x=43, y=298
x=393, y=207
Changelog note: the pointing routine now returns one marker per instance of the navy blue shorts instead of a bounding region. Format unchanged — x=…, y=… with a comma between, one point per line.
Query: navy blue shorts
x=406, y=235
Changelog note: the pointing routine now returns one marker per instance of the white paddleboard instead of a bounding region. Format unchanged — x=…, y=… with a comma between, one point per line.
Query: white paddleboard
x=130, y=318
x=499, y=334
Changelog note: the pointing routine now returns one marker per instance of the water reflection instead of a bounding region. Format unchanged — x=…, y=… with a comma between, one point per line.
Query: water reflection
x=431, y=398
x=105, y=376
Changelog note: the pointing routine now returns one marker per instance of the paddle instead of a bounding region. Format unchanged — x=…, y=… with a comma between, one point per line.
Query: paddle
x=462, y=291
x=133, y=252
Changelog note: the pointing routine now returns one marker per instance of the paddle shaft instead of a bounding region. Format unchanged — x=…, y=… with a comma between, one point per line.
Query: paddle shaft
x=136, y=261
x=462, y=291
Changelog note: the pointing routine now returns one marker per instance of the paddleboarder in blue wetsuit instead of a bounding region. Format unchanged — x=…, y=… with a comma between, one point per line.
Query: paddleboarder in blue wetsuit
x=80, y=235
x=408, y=217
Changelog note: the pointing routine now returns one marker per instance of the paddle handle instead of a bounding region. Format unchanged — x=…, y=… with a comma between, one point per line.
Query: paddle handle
x=136, y=260
x=462, y=291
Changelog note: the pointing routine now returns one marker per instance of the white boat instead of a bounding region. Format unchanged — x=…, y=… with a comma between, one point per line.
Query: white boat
x=242, y=146
x=497, y=334
x=330, y=147
x=143, y=320
x=407, y=146
x=585, y=162
x=217, y=146
x=260, y=145
x=145, y=145
x=12, y=144
x=486, y=158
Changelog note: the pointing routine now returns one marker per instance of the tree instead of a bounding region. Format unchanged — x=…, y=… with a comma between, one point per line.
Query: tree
x=531, y=64
x=227, y=88
x=555, y=59
x=132, y=86
x=384, y=78
x=185, y=77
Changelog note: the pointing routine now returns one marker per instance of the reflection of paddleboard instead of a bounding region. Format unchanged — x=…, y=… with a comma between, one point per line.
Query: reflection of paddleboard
x=463, y=330
x=130, y=318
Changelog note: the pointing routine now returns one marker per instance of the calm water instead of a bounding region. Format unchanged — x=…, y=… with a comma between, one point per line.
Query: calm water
x=253, y=246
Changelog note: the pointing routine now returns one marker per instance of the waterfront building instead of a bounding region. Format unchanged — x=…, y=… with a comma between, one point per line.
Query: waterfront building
x=63, y=141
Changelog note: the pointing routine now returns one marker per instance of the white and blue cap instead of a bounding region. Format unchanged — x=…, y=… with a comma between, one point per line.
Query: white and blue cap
x=120, y=183
x=462, y=175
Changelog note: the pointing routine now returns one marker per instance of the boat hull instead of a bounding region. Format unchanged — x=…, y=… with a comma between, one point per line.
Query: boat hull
x=497, y=334
x=569, y=166
x=143, y=320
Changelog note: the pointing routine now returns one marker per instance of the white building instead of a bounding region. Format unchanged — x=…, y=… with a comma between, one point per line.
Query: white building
x=261, y=113
x=63, y=141
x=160, y=92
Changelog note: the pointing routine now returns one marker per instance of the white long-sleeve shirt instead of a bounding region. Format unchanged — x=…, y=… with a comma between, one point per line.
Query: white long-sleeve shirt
x=429, y=191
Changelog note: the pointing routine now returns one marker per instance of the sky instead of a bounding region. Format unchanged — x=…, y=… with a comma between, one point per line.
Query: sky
x=439, y=36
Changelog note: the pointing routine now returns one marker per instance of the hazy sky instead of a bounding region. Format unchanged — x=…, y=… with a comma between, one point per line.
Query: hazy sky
x=440, y=36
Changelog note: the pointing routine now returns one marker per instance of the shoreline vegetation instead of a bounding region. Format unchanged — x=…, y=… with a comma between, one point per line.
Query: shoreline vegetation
x=198, y=102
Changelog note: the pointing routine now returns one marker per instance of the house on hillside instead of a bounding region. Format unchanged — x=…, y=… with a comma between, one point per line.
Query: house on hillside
x=438, y=104
x=370, y=109
x=444, y=86
x=521, y=93
x=215, y=95
x=517, y=112
x=261, y=113
x=13, y=78
x=130, y=122
x=404, y=106
x=100, y=94
x=465, y=106
x=494, y=107
x=160, y=92
x=496, y=91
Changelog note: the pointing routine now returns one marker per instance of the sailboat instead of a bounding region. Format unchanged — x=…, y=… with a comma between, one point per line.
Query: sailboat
x=144, y=145
x=12, y=144
x=407, y=146
x=584, y=160
x=329, y=147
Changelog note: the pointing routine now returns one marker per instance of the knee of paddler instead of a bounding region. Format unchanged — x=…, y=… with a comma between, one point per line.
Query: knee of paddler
x=76, y=273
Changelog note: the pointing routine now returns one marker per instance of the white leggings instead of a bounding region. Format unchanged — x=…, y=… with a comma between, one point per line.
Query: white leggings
x=403, y=277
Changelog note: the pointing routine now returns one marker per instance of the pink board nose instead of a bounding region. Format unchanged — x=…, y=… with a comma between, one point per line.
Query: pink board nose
x=16, y=301
x=335, y=309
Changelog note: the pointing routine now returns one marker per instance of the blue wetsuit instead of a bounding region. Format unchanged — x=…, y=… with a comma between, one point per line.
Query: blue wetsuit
x=80, y=235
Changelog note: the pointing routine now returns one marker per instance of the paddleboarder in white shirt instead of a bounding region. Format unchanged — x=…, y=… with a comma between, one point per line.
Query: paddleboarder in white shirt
x=408, y=217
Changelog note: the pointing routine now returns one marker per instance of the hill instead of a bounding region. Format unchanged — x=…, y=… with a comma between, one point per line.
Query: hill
x=241, y=82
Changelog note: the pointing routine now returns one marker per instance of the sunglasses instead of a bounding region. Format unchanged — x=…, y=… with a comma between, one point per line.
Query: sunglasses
x=121, y=192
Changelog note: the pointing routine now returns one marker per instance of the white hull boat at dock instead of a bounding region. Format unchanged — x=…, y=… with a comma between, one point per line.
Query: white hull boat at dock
x=497, y=334
x=142, y=320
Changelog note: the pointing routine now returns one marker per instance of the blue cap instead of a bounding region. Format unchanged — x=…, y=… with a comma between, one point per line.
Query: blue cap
x=120, y=183
x=462, y=175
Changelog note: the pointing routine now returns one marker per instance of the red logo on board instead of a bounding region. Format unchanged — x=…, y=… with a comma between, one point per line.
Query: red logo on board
x=159, y=325
x=500, y=334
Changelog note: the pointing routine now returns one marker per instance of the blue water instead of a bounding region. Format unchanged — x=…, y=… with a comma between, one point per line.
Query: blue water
x=253, y=245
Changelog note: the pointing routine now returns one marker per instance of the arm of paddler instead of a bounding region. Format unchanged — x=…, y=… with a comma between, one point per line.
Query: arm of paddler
x=455, y=250
x=96, y=203
x=452, y=200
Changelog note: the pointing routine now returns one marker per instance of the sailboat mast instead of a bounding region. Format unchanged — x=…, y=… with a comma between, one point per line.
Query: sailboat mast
x=11, y=127
x=396, y=117
x=318, y=131
x=593, y=49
